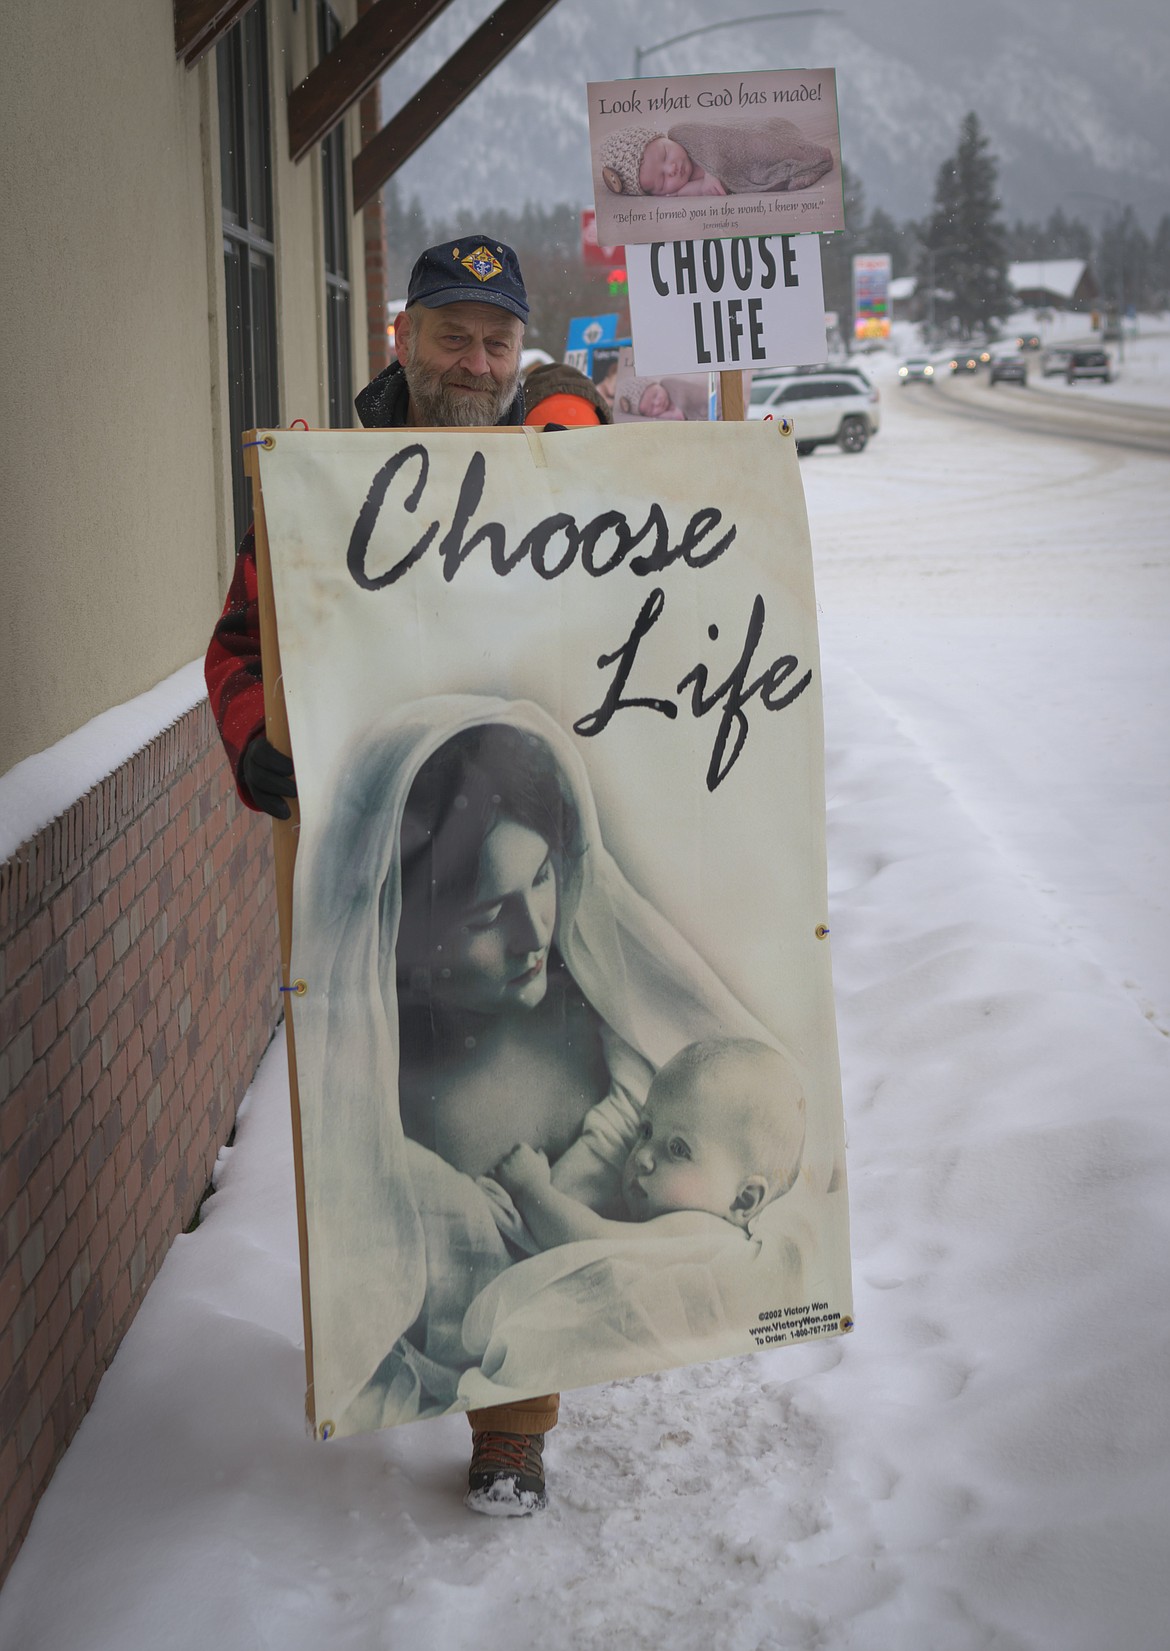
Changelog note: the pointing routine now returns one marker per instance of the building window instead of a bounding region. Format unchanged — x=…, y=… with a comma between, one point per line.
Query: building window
x=249, y=253
x=337, y=296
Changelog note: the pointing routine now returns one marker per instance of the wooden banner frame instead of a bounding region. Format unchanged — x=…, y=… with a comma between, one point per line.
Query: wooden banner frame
x=284, y=832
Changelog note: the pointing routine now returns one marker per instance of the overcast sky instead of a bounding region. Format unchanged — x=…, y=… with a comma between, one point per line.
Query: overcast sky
x=1071, y=93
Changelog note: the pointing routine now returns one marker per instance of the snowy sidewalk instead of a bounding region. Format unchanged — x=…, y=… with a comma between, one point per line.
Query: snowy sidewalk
x=984, y=1462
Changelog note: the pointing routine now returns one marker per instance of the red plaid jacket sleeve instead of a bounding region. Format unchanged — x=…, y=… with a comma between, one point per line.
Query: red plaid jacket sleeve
x=232, y=667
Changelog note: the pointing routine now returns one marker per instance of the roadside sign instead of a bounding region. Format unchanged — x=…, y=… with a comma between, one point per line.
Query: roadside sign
x=871, y=296
x=587, y=330
x=592, y=252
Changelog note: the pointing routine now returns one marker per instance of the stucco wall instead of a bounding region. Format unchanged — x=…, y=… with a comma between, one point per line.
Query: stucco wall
x=113, y=443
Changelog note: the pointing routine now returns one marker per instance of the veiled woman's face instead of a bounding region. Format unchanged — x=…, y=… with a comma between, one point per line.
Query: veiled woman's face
x=493, y=957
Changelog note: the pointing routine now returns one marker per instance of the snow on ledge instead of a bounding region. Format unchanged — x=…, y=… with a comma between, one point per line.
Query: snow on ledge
x=41, y=787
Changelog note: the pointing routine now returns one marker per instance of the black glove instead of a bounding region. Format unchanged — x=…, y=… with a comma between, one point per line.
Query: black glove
x=268, y=775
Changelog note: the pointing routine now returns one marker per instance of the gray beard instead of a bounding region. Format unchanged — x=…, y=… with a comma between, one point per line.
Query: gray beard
x=434, y=402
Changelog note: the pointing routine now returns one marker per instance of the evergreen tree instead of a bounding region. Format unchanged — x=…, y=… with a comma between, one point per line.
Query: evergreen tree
x=1067, y=238
x=837, y=252
x=406, y=235
x=1160, y=265
x=1126, y=263
x=965, y=243
x=882, y=234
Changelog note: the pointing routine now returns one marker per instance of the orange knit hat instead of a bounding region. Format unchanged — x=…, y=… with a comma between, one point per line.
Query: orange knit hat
x=563, y=409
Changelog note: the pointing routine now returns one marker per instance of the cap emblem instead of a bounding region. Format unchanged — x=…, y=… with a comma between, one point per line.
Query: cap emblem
x=483, y=264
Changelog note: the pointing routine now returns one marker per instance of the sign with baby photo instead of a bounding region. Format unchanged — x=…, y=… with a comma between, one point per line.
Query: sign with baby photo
x=566, y=1095
x=672, y=397
x=710, y=156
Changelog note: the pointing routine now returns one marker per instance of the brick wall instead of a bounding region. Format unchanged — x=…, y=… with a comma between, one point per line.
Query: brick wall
x=138, y=990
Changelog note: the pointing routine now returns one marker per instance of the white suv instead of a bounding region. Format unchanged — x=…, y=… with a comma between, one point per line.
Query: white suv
x=824, y=407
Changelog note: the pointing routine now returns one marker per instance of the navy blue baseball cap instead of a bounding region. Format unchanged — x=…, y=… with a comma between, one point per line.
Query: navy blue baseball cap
x=475, y=269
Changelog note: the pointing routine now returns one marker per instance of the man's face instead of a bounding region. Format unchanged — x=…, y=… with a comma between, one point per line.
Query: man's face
x=462, y=362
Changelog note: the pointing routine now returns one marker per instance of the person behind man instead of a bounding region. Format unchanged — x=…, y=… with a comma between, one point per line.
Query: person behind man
x=458, y=343
x=562, y=395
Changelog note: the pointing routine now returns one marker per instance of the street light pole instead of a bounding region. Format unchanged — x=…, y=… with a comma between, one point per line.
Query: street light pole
x=932, y=253
x=643, y=52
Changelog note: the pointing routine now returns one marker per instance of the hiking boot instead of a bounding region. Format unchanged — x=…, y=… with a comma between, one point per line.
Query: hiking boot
x=506, y=1477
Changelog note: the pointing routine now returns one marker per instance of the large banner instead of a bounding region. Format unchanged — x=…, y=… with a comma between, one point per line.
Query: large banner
x=566, y=1057
x=716, y=155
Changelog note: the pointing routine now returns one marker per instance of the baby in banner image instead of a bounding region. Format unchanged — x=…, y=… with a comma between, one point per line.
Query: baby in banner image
x=721, y=1136
x=494, y=978
x=729, y=157
x=660, y=399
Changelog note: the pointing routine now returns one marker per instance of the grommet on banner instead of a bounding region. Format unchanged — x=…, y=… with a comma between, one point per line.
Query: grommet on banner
x=299, y=424
x=326, y=1430
x=298, y=987
x=267, y=442
x=821, y=930
x=785, y=426
x=846, y=1322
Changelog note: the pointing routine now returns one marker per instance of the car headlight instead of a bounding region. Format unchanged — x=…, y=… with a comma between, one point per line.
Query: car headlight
x=928, y=372
x=903, y=371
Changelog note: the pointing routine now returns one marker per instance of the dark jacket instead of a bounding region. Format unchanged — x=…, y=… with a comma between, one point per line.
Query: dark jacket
x=232, y=666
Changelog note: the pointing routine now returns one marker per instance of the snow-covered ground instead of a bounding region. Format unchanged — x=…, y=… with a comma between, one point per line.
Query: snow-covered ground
x=983, y=1465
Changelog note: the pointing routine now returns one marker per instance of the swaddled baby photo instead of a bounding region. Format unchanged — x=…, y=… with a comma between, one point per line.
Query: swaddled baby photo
x=716, y=156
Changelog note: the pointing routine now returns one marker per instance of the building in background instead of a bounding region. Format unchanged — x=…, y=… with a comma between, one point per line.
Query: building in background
x=172, y=277
x=1055, y=284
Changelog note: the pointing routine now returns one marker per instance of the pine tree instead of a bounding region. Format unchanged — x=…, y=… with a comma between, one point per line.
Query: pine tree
x=837, y=251
x=1160, y=265
x=965, y=243
x=1125, y=266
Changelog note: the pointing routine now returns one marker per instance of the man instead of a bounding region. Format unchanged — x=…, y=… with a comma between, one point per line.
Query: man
x=458, y=342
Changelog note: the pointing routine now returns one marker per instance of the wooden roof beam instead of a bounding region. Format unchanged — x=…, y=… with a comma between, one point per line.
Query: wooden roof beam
x=199, y=24
x=442, y=94
x=376, y=41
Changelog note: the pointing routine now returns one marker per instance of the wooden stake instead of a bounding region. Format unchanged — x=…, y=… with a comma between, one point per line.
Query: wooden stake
x=731, y=409
x=284, y=848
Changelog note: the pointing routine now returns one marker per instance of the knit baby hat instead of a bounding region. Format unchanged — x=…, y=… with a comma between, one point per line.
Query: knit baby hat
x=621, y=158
x=631, y=392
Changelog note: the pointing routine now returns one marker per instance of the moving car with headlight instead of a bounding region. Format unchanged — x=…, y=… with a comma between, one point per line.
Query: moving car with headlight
x=916, y=369
x=824, y=408
x=1008, y=369
x=965, y=361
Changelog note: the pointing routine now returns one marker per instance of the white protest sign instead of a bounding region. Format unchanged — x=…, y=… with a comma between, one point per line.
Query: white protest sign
x=710, y=305
x=610, y=634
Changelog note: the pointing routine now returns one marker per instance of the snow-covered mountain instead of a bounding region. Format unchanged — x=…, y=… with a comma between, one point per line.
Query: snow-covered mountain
x=1071, y=94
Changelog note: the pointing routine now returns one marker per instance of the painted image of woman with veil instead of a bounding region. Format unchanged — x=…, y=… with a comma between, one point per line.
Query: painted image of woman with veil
x=491, y=977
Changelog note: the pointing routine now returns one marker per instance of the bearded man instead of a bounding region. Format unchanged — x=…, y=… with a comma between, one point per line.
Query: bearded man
x=458, y=343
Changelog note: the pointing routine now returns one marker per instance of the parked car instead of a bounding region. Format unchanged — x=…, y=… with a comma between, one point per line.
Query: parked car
x=965, y=361
x=1055, y=360
x=823, y=407
x=916, y=369
x=774, y=375
x=1011, y=369
x=1089, y=364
